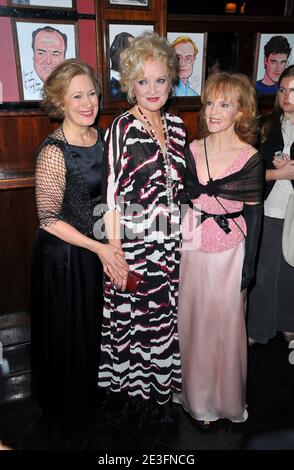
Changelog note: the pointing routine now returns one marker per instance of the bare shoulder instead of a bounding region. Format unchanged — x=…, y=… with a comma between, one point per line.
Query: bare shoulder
x=250, y=151
x=196, y=146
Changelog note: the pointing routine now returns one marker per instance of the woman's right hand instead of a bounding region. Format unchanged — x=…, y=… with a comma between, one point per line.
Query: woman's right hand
x=114, y=264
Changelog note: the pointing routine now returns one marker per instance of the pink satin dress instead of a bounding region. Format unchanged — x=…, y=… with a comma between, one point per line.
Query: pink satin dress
x=211, y=314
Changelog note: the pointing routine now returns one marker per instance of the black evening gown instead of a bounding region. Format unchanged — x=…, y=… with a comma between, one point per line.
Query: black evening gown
x=67, y=298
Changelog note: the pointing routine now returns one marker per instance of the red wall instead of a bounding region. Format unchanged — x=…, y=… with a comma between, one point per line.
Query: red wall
x=8, y=75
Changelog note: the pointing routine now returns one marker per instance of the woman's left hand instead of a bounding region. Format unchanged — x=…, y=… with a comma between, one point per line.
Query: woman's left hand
x=279, y=162
x=114, y=264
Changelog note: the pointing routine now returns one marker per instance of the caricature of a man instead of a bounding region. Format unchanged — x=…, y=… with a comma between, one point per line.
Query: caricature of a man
x=186, y=51
x=49, y=47
x=276, y=54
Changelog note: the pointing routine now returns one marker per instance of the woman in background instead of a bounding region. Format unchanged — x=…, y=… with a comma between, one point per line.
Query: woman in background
x=270, y=303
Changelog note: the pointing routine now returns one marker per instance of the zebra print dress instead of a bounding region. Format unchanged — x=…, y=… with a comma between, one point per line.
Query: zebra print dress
x=139, y=346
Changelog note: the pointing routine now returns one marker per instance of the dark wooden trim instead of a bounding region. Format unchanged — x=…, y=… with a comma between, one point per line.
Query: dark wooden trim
x=14, y=180
x=220, y=23
x=128, y=7
x=43, y=13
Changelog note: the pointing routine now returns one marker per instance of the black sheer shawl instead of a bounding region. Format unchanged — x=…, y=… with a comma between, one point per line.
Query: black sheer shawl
x=245, y=185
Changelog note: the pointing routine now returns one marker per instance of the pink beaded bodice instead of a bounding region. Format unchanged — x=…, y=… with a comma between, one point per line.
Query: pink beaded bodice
x=209, y=236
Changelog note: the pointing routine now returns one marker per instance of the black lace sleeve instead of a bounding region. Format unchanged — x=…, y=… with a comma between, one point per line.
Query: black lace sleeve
x=50, y=184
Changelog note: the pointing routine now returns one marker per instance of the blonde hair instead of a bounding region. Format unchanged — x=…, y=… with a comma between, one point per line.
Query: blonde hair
x=57, y=83
x=183, y=39
x=226, y=84
x=147, y=46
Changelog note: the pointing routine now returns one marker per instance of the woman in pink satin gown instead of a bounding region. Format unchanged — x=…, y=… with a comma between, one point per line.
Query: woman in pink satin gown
x=220, y=234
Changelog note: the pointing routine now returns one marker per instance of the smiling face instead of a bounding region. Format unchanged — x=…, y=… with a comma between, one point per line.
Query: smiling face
x=221, y=113
x=49, y=51
x=80, y=103
x=152, y=87
x=186, y=58
x=274, y=65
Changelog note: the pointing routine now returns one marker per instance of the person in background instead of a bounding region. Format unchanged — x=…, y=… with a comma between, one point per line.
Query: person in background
x=224, y=183
x=145, y=165
x=67, y=259
x=49, y=46
x=270, y=304
x=276, y=54
x=186, y=51
x=120, y=43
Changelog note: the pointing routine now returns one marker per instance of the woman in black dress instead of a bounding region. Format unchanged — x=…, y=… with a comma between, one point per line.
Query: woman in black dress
x=67, y=269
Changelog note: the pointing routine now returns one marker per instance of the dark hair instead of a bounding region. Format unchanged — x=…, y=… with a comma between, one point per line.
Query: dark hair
x=120, y=42
x=277, y=45
x=57, y=83
x=49, y=29
x=277, y=111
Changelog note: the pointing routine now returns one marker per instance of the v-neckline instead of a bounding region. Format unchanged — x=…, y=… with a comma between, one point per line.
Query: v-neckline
x=224, y=171
x=162, y=150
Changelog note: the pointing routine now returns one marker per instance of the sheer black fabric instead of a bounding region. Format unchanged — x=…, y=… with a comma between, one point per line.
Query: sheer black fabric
x=61, y=193
x=252, y=215
x=245, y=185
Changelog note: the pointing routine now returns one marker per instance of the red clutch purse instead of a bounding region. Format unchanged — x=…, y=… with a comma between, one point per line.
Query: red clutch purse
x=133, y=281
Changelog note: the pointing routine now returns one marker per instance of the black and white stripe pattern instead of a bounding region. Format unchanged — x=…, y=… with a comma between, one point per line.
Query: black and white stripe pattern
x=140, y=351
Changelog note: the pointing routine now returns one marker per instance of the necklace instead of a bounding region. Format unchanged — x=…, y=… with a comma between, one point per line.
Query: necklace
x=164, y=151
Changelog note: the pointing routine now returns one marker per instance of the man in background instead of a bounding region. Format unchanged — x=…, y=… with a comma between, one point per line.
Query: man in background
x=276, y=54
x=186, y=51
x=49, y=46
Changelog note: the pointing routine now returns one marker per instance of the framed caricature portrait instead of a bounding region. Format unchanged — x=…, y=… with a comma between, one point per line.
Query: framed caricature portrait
x=129, y=3
x=40, y=47
x=44, y=3
x=190, y=49
x=119, y=37
x=274, y=52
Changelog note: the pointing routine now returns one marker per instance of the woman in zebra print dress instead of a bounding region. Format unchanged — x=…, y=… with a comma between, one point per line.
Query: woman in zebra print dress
x=144, y=160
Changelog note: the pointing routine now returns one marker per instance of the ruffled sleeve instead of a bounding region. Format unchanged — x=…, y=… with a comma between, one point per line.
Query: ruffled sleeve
x=112, y=154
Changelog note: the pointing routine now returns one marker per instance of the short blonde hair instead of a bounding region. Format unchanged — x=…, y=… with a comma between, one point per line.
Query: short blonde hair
x=183, y=39
x=147, y=46
x=56, y=85
x=226, y=84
